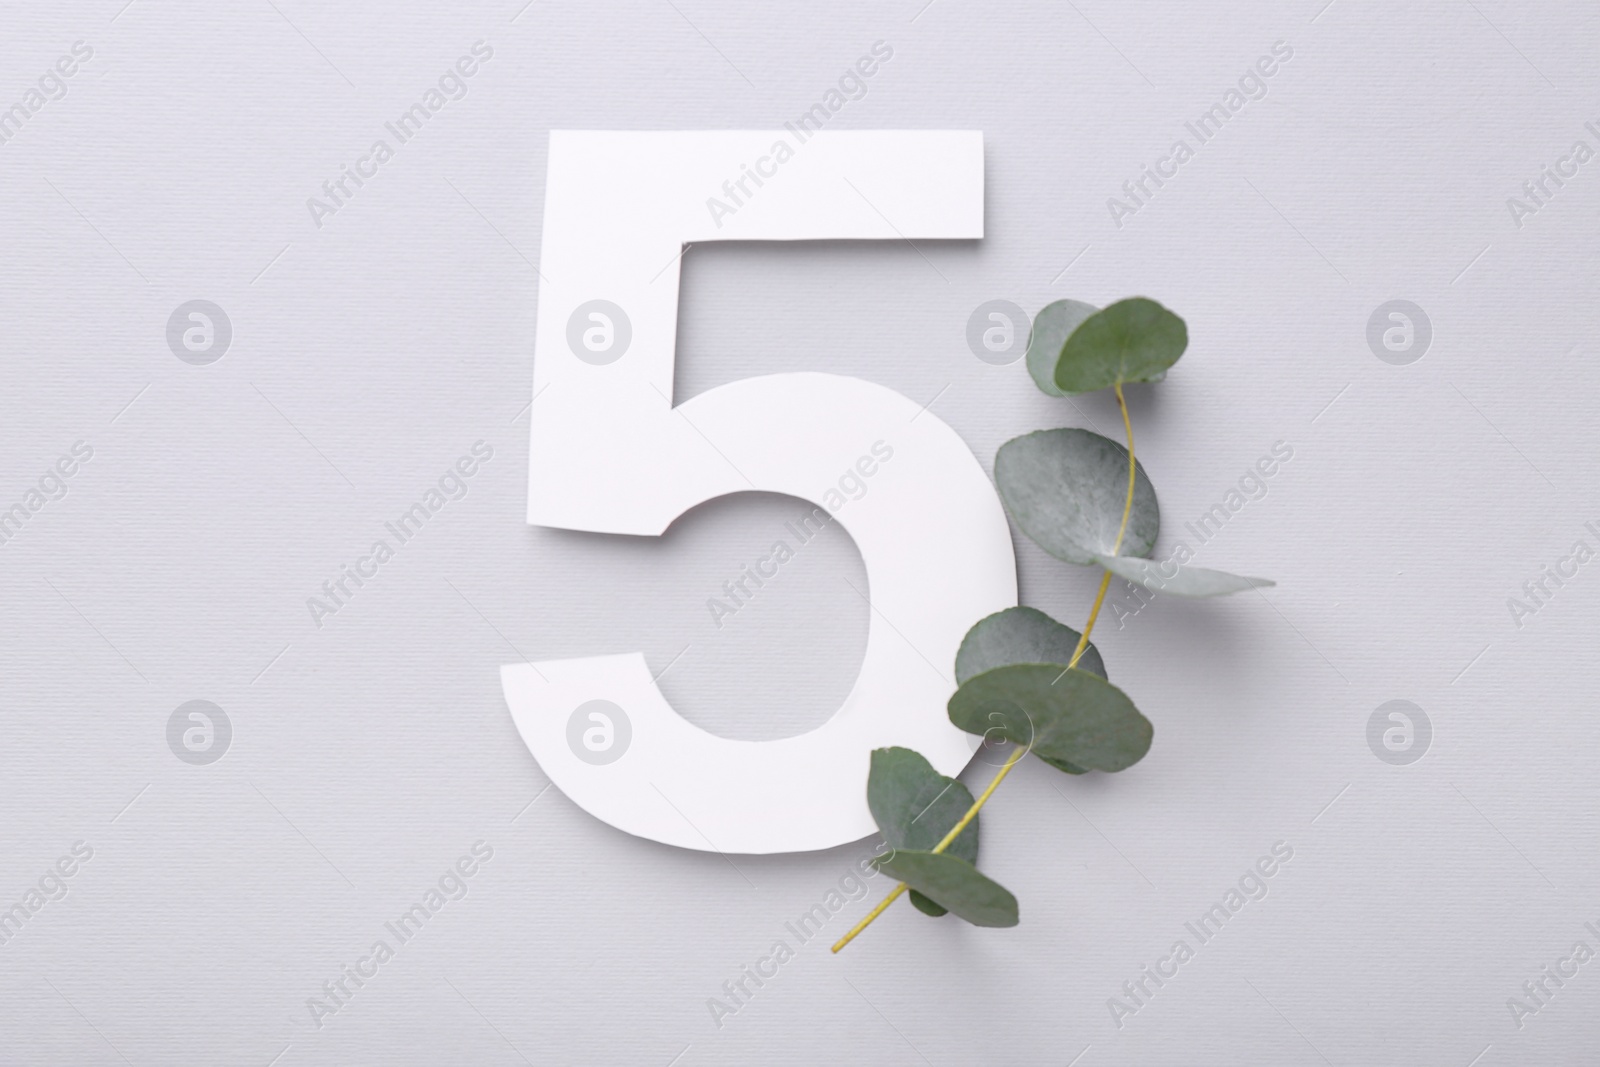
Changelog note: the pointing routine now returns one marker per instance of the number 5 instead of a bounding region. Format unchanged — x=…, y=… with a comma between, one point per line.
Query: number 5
x=609, y=453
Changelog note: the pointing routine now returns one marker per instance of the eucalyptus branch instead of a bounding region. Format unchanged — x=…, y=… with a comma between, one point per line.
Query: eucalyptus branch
x=1022, y=750
x=1019, y=673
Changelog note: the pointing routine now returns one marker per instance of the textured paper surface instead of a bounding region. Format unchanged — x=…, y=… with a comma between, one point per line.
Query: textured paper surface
x=367, y=357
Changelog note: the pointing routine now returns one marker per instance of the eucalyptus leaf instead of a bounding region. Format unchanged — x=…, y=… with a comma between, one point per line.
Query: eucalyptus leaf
x=1069, y=716
x=954, y=884
x=1133, y=340
x=926, y=906
x=1024, y=635
x=1182, y=580
x=1066, y=489
x=915, y=806
x=1021, y=635
x=1051, y=328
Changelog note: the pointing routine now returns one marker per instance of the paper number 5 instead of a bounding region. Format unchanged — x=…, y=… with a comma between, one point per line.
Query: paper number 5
x=610, y=453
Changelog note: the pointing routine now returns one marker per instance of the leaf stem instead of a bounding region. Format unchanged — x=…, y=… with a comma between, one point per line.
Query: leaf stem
x=1020, y=751
x=1127, y=510
x=873, y=914
x=983, y=798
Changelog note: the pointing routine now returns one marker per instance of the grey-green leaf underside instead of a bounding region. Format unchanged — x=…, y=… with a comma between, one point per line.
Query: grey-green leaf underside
x=1021, y=635
x=1180, y=580
x=1066, y=488
x=1051, y=327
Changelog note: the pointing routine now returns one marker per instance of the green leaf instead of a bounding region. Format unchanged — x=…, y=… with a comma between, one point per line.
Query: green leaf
x=915, y=806
x=954, y=884
x=1021, y=635
x=1069, y=716
x=1066, y=489
x=1063, y=765
x=1133, y=340
x=926, y=906
x=1051, y=328
x=1180, y=580
x=1024, y=635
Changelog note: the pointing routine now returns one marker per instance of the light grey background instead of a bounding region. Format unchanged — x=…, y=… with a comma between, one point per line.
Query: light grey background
x=369, y=354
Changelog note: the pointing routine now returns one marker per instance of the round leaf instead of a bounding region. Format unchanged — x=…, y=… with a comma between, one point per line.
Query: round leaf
x=1021, y=635
x=1133, y=340
x=954, y=884
x=1070, y=716
x=915, y=806
x=926, y=906
x=1066, y=489
x=1051, y=328
x=1182, y=580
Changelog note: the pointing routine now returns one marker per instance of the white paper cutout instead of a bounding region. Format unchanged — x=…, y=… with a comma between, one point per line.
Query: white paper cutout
x=608, y=453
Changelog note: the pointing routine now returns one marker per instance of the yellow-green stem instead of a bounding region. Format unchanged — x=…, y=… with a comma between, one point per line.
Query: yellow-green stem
x=1020, y=751
x=1127, y=510
x=955, y=831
